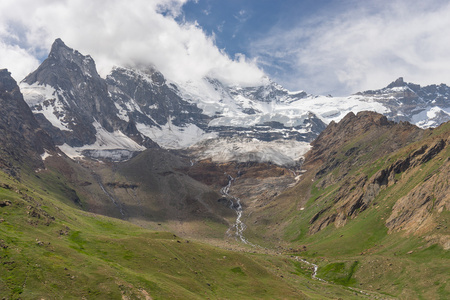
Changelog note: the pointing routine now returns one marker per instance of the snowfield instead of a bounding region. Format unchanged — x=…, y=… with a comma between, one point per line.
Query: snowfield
x=278, y=118
x=280, y=152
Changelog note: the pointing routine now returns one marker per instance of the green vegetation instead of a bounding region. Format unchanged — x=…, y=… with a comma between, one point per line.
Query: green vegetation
x=50, y=249
x=339, y=273
x=361, y=252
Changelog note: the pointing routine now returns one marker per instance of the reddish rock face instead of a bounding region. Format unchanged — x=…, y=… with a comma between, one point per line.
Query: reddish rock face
x=366, y=129
x=358, y=141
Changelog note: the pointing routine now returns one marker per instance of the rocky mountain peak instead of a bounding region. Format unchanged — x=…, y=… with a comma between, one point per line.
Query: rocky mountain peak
x=71, y=100
x=397, y=83
x=351, y=125
x=7, y=83
x=64, y=68
x=61, y=52
x=424, y=106
x=58, y=47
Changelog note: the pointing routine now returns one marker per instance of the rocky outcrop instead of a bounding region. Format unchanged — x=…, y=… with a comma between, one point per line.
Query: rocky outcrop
x=357, y=192
x=365, y=154
x=22, y=140
x=418, y=211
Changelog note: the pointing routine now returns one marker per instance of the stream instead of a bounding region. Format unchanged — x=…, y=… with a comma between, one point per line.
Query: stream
x=239, y=226
x=316, y=267
x=235, y=204
x=116, y=203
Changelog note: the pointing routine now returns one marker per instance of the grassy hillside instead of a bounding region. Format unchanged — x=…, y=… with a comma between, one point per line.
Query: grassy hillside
x=50, y=249
x=377, y=222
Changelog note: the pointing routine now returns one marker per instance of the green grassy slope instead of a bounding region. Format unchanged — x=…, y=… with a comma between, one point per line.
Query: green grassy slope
x=410, y=261
x=50, y=249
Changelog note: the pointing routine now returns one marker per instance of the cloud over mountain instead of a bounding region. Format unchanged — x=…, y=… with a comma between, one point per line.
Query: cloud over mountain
x=117, y=33
x=360, y=45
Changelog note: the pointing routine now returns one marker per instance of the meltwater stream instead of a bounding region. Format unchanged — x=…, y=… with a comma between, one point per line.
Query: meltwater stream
x=235, y=204
x=239, y=227
x=114, y=201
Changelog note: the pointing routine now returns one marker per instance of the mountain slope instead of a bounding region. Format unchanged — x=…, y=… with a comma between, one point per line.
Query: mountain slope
x=371, y=208
x=22, y=140
x=50, y=248
x=154, y=104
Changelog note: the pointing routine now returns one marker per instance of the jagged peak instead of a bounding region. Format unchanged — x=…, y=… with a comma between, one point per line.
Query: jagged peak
x=399, y=82
x=62, y=61
x=61, y=51
x=5, y=74
x=4, y=71
x=58, y=43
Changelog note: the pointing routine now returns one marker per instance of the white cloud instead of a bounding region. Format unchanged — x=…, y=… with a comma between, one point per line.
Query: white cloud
x=16, y=60
x=118, y=32
x=364, y=47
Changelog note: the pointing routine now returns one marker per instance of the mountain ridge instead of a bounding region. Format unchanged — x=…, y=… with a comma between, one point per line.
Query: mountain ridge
x=131, y=109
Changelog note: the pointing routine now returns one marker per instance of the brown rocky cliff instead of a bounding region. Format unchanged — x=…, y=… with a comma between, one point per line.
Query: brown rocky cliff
x=357, y=142
x=419, y=212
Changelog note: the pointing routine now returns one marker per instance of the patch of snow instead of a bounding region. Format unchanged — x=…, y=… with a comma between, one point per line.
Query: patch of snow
x=113, y=140
x=170, y=136
x=45, y=154
x=400, y=88
x=427, y=117
x=110, y=154
x=123, y=114
x=279, y=152
x=335, y=108
x=290, y=118
x=106, y=142
x=45, y=100
x=295, y=92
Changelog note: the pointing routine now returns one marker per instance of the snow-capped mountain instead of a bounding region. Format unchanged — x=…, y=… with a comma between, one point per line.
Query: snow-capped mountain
x=71, y=102
x=155, y=106
x=425, y=107
x=89, y=115
x=133, y=109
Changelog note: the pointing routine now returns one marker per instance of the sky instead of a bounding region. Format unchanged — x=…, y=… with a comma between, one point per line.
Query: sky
x=336, y=47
